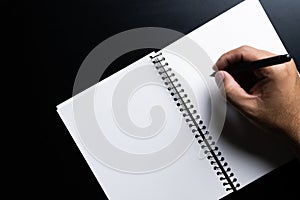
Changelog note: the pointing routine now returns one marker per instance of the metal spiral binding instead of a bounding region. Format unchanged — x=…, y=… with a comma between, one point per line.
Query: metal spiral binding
x=192, y=118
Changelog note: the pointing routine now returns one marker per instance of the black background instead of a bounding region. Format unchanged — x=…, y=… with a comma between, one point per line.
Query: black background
x=60, y=34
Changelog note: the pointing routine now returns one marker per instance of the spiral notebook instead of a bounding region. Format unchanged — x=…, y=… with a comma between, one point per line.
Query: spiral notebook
x=160, y=128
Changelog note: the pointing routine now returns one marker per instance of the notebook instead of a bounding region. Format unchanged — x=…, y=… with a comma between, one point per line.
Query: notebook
x=160, y=128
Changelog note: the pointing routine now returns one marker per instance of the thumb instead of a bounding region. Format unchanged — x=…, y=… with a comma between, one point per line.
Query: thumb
x=235, y=94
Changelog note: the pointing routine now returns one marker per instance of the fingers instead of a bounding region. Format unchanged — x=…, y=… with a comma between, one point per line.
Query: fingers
x=241, y=54
x=234, y=93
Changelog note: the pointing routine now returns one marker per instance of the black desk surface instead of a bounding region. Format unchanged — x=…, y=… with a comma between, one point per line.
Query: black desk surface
x=62, y=33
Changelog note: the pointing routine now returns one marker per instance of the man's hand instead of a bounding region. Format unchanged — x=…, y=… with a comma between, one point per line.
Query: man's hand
x=273, y=102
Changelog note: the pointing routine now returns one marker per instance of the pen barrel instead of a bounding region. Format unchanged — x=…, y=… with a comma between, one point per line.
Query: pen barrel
x=249, y=66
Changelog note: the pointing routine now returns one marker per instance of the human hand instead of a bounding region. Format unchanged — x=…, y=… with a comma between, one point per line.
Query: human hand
x=272, y=101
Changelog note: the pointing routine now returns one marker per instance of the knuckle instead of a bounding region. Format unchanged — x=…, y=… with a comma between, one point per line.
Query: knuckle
x=245, y=48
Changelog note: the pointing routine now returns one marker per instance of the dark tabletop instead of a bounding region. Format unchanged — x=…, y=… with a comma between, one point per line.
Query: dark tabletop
x=63, y=32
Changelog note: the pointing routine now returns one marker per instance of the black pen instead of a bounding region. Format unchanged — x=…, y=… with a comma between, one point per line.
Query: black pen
x=249, y=66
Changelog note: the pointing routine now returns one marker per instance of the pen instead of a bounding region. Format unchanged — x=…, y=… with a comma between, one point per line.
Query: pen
x=248, y=66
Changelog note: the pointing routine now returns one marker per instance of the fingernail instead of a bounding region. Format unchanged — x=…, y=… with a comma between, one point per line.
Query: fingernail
x=219, y=77
x=215, y=68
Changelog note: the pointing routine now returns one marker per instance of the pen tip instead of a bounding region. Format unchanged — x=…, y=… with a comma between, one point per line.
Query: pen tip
x=213, y=74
